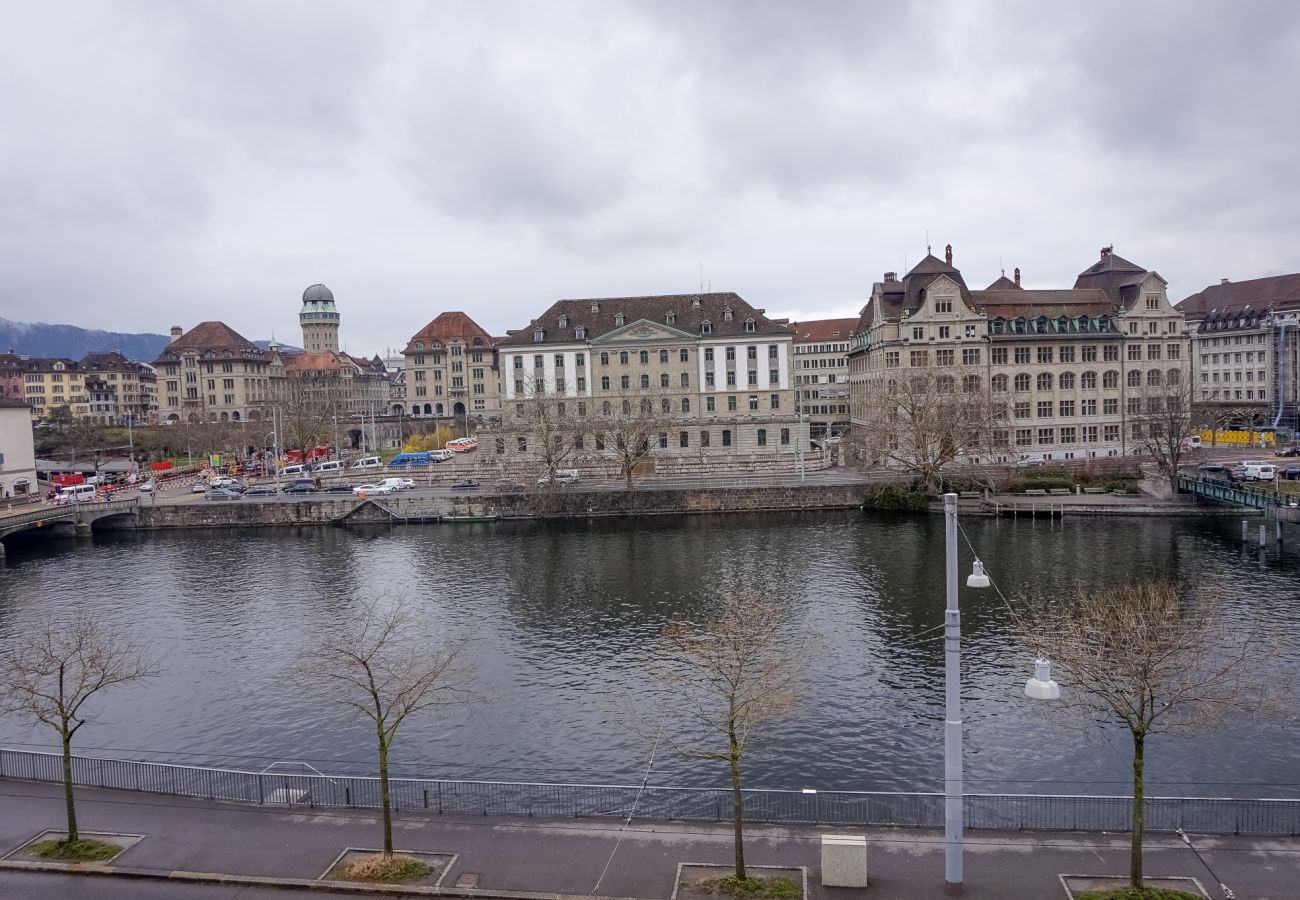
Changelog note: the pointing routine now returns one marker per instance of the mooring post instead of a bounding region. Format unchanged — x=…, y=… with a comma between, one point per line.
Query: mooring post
x=1278, y=526
x=1263, y=535
x=1245, y=529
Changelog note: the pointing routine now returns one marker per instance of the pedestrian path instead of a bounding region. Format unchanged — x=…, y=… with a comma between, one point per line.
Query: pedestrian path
x=597, y=857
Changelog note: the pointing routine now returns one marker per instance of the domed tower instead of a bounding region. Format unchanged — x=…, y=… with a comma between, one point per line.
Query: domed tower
x=319, y=319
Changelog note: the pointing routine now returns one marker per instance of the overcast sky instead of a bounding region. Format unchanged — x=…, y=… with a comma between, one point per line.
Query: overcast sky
x=168, y=162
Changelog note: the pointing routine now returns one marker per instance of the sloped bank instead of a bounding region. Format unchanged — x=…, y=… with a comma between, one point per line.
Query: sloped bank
x=558, y=504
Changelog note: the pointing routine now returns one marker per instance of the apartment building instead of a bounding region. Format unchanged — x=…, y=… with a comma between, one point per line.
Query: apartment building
x=45, y=383
x=713, y=372
x=450, y=368
x=1073, y=373
x=213, y=373
x=133, y=387
x=821, y=374
x=1246, y=352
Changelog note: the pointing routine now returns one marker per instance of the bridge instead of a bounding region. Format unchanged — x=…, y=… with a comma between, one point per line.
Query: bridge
x=1276, y=504
x=74, y=517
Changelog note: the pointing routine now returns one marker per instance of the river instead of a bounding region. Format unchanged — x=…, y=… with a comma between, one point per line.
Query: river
x=562, y=614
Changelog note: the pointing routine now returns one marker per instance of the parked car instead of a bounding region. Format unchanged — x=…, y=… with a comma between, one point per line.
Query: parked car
x=148, y=487
x=465, y=484
x=1292, y=474
x=301, y=486
x=339, y=487
x=1216, y=470
x=368, y=462
x=1288, y=451
x=508, y=486
x=198, y=488
x=380, y=488
x=1030, y=461
x=260, y=490
x=1256, y=471
x=562, y=476
x=398, y=484
x=224, y=493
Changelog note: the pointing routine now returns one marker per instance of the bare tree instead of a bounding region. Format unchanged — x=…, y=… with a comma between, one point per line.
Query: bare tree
x=552, y=427
x=725, y=680
x=629, y=427
x=932, y=421
x=375, y=666
x=310, y=404
x=56, y=667
x=1150, y=659
x=1161, y=418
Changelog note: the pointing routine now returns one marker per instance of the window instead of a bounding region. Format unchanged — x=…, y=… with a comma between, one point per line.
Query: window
x=762, y=437
x=706, y=328
x=773, y=352
x=1066, y=382
x=752, y=377
x=726, y=313
x=1022, y=383
x=1067, y=353
x=663, y=379
x=945, y=332
x=1024, y=437
x=686, y=379
x=665, y=406
x=970, y=357
x=539, y=335
x=604, y=382
x=625, y=382
x=726, y=437
x=731, y=378
x=731, y=354
x=1022, y=409
x=774, y=376
x=1022, y=356
x=919, y=358
x=1046, y=436
x=645, y=381
x=943, y=305
x=580, y=332
x=1111, y=432
x=618, y=320
x=684, y=439
x=709, y=404
x=1153, y=301
x=753, y=403
x=1066, y=408
x=708, y=354
x=731, y=403
x=891, y=359
x=1110, y=407
x=709, y=379
x=1000, y=383
x=1088, y=381
x=1088, y=407
x=1110, y=353
x=999, y=356
x=704, y=436
x=749, y=324
x=1045, y=381
x=944, y=357
x=1044, y=409
x=1045, y=355
x=686, y=404
x=1134, y=378
x=645, y=357
x=970, y=384
x=776, y=401
x=1089, y=353
x=684, y=355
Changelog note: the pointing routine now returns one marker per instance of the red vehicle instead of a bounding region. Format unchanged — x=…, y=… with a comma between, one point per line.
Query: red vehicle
x=295, y=456
x=68, y=480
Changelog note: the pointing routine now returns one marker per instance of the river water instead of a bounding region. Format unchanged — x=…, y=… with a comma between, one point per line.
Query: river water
x=562, y=615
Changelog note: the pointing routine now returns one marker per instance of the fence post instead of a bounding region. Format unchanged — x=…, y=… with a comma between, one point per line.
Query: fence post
x=347, y=795
x=261, y=791
x=426, y=798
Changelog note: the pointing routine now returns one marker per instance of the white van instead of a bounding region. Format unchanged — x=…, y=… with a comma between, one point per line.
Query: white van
x=332, y=465
x=440, y=455
x=294, y=470
x=1257, y=471
x=76, y=493
x=368, y=462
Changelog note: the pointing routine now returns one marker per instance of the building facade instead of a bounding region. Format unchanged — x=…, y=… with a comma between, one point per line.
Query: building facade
x=319, y=320
x=17, y=454
x=821, y=374
x=213, y=373
x=450, y=369
x=133, y=386
x=1071, y=373
x=1246, y=353
x=46, y=383
x=711, y=371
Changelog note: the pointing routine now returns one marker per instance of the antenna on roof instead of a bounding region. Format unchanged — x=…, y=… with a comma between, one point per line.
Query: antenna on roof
x=701, y=277
x=1002, y=267
x=927, y=241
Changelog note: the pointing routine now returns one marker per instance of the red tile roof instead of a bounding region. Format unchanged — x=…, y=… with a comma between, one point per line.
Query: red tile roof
x=818, y=330
x=209, y=336
x=451, y=326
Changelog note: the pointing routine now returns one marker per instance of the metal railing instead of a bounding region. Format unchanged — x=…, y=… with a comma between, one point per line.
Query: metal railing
x=1206, y=815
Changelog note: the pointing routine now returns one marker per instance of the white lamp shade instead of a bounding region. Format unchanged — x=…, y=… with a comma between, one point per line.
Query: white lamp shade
x=1041, y=686
x=977, y=577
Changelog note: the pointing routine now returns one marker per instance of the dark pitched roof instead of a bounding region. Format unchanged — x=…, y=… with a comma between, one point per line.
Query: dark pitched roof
x=1010, y=304
x=1004, y=284
x=1259, y=294
x=688, y=317
x=1111, y=274
x=209, y=336
x=13, y=403
x=451, y=326
x=817, y=330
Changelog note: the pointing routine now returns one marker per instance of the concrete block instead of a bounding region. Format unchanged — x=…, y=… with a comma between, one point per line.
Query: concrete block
x=844, y=860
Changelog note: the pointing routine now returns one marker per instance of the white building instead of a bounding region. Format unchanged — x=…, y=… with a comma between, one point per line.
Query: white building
x=17, y=456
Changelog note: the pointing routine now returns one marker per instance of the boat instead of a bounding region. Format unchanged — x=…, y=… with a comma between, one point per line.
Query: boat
x=483, y=518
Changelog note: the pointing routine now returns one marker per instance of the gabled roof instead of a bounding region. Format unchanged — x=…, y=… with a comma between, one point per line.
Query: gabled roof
x=209, y=336
x=1273, y=292
x=1111, y=274
x=1010, y=304
x=451, y=326
x=1004, y=284
x=324, y=361
x=599, y=316
x=820, y=330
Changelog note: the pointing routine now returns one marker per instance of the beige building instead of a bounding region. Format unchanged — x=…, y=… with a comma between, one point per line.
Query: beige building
x=821, y=374
x=126, y=389
x=1075, y=373
x=17, y=457
x=712, y=370
x=48, y=383
x=450, y=370
x=213, y=373
x=1246, y=352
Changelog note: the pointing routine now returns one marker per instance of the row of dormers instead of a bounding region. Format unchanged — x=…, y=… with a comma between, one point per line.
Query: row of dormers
x=580, y=331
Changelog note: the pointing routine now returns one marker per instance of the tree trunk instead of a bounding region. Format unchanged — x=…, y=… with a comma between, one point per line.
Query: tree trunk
x=67, y=787
x=1139, y=793
x=383, y=793
x=737, y=802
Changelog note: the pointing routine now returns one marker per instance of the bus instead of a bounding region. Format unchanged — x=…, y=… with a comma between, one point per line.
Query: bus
x=462, y=445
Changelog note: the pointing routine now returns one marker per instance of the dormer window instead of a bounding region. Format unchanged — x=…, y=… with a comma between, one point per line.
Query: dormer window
x=595, y=306
x=580, y=332
x=706, y=327
x=539, y=335
x=670, y=318
x=749, y=324
x=726, y=313
x=564, y=321
x=695, y=302
x=419, y=345
x=618, y=320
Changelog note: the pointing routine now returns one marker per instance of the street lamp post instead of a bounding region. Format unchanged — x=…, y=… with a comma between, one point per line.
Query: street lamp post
x=952, y=725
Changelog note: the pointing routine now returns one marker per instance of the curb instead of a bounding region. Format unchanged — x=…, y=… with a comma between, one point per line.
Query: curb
x=307, y=884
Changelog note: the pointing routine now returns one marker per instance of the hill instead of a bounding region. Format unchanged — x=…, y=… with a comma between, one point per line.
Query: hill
x=73, y=342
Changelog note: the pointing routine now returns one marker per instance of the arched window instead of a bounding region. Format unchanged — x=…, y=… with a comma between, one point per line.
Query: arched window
x=627, y=407
x=1018, y=325
x=946, y=384
x=1088, y=381
x=1063, y=324
x=1000, y=383
x=970, y=384
x=605, y=408
x=1154, y=378
x=1173, y=377
x=1040, y=325
x=539, y=335
x=998, y=326
x=706, y=327
x=670, y=318
x=1066, y=381
x=1045, y=381
x=1110, y=381
x=428, y=410
x=1022, y=383
x=1134, y=378
x=665, y=406
x=647, y=407
x=1103, y=323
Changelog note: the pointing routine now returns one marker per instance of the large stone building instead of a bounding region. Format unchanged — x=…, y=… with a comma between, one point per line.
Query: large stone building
x=821, y=374
x=712, y=371
x=127, y=389
x=213, y=373
x=1246, y=352
x=1073, y=373
x=450, y=369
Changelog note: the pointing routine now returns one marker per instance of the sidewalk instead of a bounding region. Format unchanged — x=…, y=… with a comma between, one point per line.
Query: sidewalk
x=569, y=856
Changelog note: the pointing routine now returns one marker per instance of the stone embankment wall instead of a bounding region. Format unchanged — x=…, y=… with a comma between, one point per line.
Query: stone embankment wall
x=558, y=504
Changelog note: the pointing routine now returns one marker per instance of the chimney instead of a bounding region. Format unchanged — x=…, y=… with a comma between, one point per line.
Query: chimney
x=1105, y=251
x=1223, y=281
x=1017, y=276
x=891, y=276
x=177, y=331
x=947, y=254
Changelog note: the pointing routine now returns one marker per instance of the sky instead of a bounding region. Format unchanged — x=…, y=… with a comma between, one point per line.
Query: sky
x=167, y=163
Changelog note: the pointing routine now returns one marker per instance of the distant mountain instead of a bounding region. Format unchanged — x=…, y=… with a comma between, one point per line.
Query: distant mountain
x=42, y=339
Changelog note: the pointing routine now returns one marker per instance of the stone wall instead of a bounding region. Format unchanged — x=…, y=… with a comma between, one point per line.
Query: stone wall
x=560, y=503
